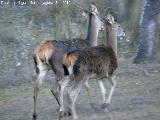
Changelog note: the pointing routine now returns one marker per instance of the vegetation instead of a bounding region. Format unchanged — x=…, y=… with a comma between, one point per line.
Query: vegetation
x=23, y=26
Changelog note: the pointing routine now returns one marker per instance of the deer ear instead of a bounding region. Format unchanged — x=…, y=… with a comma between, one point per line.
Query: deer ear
x=110, y=19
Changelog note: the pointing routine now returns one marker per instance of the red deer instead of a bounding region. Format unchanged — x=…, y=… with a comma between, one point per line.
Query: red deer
x=113, y=31
x=49, y=55
x=100, y=60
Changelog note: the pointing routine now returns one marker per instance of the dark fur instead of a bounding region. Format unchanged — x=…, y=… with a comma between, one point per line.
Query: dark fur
x=52, y=54
x=60, y=48
x=35, y=62
x=100, y=60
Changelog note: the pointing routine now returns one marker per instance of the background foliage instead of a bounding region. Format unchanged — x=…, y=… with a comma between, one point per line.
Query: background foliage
x=23, y=27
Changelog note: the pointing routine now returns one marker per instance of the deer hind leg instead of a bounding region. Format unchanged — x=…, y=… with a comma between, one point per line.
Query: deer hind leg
x=41, y=74
x=58, y=70
x=62, y=85
x=55, y=91
x=59, y=86
x=87, y=87
x=73, y=93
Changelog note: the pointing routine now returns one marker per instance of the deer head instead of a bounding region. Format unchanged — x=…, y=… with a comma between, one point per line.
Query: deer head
x=113, y=30
x=118, y=30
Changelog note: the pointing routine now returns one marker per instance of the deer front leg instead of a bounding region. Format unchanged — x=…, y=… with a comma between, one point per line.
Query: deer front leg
x=38, y=83
x=103, y=90
x=102, y=105
x=113, y=83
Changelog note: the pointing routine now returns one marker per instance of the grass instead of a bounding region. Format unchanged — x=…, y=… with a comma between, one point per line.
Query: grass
x=136, y=97
x=11, y=93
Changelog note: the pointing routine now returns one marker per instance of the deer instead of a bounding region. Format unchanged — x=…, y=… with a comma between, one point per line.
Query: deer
x=49, y=55
x=113, y=31
x=98, y=60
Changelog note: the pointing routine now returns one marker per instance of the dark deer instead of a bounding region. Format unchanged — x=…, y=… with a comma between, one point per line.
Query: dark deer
x=100, y=60
x=49, y=55
x=113, y=31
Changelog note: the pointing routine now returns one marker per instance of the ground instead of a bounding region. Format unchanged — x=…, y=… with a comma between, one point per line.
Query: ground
x=136, y=97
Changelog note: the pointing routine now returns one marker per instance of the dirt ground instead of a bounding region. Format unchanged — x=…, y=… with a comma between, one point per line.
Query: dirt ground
x=136, y=97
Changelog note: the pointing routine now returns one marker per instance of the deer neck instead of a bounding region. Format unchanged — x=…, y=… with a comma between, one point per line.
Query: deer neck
x=111, y=38
x=92, y=33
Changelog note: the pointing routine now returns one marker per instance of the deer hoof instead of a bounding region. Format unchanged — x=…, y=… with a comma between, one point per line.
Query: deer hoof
x=61, y=114
x=68, y=113
x=64, y=113
x=104, y=105
x=35, y=116
x=75, y=118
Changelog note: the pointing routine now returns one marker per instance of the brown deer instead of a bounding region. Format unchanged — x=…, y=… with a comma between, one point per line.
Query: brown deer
x=49, y=55
x=113, y=31
x=100, y=60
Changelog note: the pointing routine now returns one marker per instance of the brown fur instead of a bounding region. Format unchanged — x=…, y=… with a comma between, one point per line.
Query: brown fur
x=100, y=60
x=70, y=59
x=111, y=38
x=44, y=52
x=52, y=53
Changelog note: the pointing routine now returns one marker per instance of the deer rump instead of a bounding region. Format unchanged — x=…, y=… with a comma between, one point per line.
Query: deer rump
x=52, y=51
x=100, y=60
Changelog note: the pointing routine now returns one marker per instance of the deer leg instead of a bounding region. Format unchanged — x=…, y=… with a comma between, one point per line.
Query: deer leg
x=41, y=75
x=55, y=91
x=62, y=84
x=103, y=90
x=72, y=95
x=59, y=73
x=87, y=87
x=113, y=83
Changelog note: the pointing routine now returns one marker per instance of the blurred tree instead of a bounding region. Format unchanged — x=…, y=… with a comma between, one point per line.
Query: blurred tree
x=148, y=30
